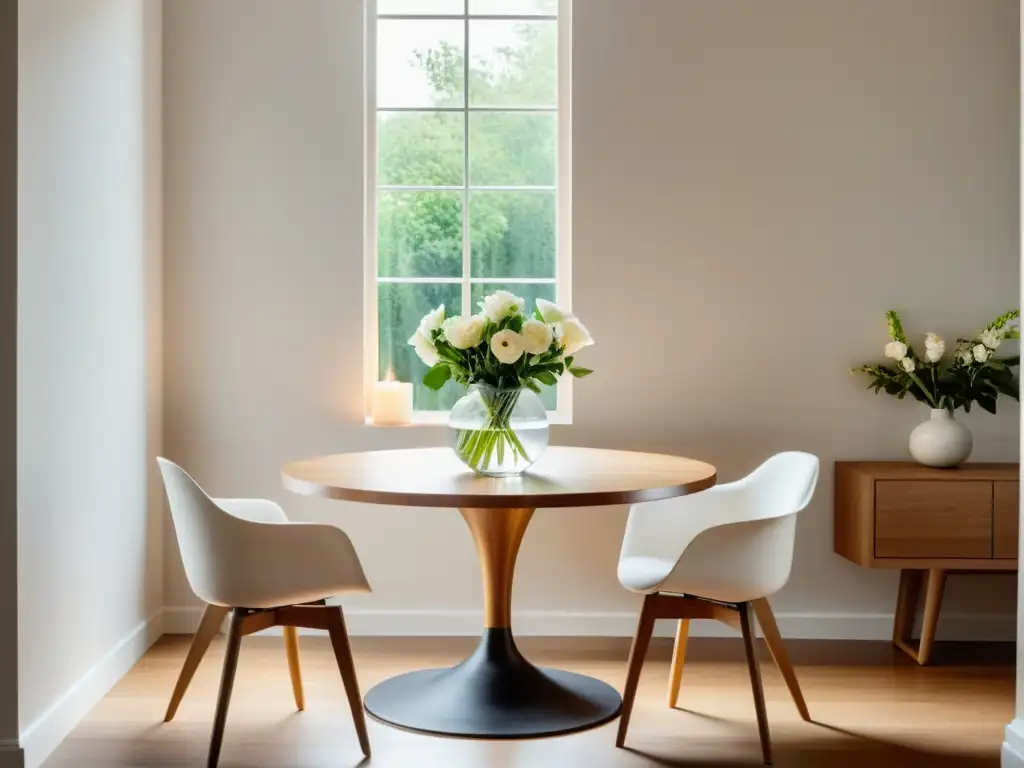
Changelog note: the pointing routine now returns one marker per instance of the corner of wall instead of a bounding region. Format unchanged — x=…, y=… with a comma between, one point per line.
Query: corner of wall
x=1013, y=745
x=152, y=83
x=11, y=756
x=8, y=383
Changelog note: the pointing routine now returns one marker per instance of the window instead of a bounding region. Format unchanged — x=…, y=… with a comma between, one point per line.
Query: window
x=467, y=171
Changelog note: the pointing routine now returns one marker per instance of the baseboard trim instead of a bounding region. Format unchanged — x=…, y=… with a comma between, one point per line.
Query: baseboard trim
x=1013, y=745
x=43, y=735
x=817, y=626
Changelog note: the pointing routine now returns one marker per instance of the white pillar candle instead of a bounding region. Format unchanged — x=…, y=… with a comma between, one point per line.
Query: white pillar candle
x=391, y=404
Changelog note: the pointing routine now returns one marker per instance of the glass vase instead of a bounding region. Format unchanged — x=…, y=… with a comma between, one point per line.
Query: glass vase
x=498, y=432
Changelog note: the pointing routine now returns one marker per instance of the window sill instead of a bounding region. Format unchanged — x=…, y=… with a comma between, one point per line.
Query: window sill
x=440, y=419
x=419, y=419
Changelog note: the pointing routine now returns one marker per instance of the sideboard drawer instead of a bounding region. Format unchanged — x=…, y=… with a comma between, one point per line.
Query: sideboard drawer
x=925, y=518
x=1005, y=519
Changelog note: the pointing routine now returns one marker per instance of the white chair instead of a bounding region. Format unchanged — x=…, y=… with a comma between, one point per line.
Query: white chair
x=244, y=558
x=717, y=554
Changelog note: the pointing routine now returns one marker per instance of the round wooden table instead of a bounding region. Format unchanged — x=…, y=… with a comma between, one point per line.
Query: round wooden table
x=496, y=693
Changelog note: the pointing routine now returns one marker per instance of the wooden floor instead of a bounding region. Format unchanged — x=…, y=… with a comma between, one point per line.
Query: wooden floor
x=872, y=708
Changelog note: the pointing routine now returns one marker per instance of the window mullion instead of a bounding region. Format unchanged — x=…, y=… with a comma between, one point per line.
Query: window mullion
x=467, y=302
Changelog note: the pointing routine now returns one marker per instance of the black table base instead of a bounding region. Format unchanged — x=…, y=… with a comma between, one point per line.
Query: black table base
x=494, y=694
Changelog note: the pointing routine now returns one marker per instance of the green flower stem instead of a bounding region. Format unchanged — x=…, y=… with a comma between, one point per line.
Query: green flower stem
x=923, y=388
x=479, y=447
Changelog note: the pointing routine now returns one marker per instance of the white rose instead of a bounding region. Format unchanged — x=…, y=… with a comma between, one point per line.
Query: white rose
x=537, y=337
x=550, y=312
x=500, y=305
x=575, y=336
x=431, y=321
x=507, y=346
x=991, y=338
x=908, y=364
x=464, y=332
x=897, y=350
x=981, y=353
x=934, y=347
x=425, y=349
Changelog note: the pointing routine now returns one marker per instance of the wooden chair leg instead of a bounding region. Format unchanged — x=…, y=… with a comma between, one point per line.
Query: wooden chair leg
x=932, y=606
x=227, y=682
x=291, y=646
x=675, y=675
x=750, y=645
x=343, y=654
x=642, y=638
x=773, y=638
x=208, y=629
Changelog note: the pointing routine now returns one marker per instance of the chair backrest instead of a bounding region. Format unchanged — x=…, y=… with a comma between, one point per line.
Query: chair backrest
x=203, y=530
x=782, y=485
x=664, y=529
x=751, y=555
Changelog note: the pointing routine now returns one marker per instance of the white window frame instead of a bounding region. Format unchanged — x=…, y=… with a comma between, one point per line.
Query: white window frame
x=563, y=215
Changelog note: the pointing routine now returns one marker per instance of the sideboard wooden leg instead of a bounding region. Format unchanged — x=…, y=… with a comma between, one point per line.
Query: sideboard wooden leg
x=934, y=582
x=906, y=605
x=932, y=605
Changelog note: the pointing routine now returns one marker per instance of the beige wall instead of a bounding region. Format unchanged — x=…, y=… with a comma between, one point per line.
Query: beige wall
x=89, y=536
x=9, y=750
x=755, y=184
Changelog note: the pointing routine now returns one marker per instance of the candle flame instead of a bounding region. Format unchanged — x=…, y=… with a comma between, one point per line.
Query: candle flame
x=390, y=374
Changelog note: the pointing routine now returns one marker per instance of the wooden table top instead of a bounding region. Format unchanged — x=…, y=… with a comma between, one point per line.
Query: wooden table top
x=562, y=477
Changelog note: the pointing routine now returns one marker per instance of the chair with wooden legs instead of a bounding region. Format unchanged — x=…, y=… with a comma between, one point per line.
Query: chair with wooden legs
x=248, y=562
x=717, y=554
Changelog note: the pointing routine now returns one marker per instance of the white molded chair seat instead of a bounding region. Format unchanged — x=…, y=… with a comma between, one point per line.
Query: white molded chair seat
x=644, y=574
x=244, y=553
x=244, y=557
x=717, y=554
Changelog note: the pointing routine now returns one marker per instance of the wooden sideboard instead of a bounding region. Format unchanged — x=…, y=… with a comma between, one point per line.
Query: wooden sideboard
x=927, y=523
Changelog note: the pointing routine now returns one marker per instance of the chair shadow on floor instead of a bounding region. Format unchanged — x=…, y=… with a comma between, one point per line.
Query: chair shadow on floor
x=702, y=715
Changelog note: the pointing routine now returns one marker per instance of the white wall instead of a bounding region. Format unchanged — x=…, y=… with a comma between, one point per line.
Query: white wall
x=10, y=756
x=755, y=184
x=89, y=532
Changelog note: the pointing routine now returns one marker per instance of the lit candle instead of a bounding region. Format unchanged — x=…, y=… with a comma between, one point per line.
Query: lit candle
x=391, y=404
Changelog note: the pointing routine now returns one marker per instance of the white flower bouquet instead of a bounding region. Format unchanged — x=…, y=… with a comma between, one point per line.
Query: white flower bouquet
x=503, y=351
x=973, y=374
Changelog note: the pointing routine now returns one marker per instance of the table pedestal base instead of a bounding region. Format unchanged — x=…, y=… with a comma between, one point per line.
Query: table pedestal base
x=494, y=694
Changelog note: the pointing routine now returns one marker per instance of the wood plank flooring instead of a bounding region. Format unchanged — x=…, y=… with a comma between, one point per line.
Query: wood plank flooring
x=871, y=705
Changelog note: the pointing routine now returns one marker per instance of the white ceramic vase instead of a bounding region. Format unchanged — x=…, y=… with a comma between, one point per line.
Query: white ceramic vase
x=942, y=441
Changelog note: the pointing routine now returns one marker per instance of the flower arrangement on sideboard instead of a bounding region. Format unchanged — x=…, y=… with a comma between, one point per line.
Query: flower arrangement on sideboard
x=972, y=372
